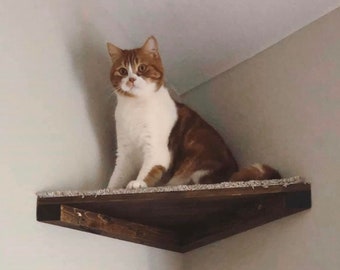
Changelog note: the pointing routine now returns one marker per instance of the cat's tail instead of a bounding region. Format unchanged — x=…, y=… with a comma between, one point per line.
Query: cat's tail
x=255, y=172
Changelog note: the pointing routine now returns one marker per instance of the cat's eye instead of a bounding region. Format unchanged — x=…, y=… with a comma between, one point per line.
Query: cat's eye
x=122, y=71
x=141, y=68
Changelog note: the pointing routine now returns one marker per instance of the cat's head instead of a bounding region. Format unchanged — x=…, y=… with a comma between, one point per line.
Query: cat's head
x=136, y=72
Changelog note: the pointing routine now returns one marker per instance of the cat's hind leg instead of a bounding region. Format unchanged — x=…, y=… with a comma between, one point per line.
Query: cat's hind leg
x=193, y=178
x=179, y=180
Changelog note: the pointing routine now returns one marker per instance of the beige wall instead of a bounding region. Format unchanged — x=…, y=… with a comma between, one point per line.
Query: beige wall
x=282, y=107
x=56, y=133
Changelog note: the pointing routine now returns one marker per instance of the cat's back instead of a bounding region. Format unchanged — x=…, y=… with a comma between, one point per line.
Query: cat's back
x=197, y=147
x=191, y=127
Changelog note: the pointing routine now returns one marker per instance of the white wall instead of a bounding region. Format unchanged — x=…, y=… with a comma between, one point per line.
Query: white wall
x=282, y=107
x=56, y=132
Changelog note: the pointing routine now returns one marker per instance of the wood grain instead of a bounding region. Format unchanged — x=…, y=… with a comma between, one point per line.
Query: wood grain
x=117, y=228
x=179, y=221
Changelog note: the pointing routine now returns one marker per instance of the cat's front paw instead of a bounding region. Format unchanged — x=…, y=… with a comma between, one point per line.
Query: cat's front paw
x=136, y=184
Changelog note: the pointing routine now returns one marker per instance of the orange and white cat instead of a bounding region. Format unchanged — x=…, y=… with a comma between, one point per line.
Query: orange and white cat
x=160, y=141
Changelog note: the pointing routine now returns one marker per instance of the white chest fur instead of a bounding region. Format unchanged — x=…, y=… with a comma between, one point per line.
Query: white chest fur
x=143, y=120
x=143, y=126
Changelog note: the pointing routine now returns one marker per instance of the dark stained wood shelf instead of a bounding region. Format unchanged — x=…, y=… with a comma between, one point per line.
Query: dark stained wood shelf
x=180, y=220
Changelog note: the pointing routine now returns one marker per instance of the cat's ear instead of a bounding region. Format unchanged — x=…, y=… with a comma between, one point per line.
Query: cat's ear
x=151, y=46
x=114, y=51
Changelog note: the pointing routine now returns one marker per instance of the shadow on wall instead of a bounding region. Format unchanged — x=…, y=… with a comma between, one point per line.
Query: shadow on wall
x=92, y=64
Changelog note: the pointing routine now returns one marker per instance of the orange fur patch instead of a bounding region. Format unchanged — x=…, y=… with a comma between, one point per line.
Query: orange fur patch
x=154, y=176
x=197, y=146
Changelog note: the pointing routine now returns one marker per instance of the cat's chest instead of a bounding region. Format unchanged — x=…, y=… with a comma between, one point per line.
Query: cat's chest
x=132, y=120
x=138, y=123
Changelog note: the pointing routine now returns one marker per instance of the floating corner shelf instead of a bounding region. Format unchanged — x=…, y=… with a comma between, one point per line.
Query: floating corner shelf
x=178, y=218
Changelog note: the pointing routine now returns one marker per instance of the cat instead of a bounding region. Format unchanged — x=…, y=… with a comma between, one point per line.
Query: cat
x=161, y=141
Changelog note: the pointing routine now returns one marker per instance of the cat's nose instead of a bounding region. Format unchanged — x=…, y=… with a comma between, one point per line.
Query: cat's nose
x=132, y=79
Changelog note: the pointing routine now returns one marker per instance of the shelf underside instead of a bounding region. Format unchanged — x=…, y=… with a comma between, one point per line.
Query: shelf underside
x=177, y=220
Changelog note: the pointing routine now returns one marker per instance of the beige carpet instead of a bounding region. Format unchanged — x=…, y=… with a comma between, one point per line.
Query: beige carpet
x=224, y=185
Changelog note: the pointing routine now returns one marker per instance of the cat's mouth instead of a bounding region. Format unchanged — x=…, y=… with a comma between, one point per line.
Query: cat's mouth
x=130, y=84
